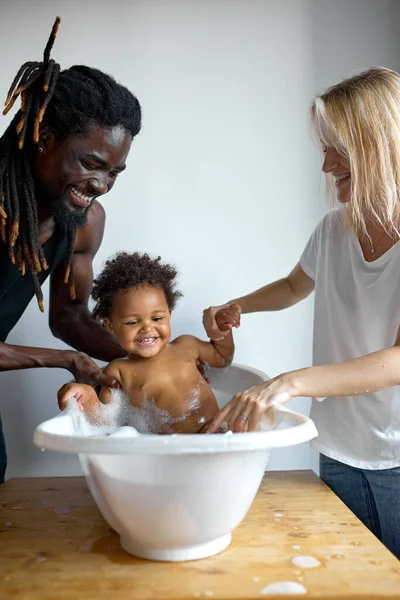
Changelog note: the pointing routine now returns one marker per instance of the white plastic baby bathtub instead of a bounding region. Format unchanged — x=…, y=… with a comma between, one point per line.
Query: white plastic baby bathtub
x=177, y=497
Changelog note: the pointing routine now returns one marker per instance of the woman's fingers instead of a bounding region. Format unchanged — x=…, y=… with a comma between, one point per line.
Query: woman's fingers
x=222, y=416
x=237, y=420
x=244, y=411
x=254, y=418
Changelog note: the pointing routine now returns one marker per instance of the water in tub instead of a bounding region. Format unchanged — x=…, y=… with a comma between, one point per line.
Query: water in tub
x=147, y=418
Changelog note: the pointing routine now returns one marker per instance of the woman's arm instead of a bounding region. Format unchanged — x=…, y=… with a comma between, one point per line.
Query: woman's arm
x=275, y=296
x=280, y=294
x=364, y=375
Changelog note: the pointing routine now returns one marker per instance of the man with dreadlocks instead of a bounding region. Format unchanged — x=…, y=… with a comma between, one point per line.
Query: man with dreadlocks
x=65, y=147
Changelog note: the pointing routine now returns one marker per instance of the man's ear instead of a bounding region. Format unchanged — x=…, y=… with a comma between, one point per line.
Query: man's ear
x=46, y=138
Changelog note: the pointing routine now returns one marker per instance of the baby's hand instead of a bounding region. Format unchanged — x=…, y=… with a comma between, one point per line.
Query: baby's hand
x=228, y=317
x=84, y=394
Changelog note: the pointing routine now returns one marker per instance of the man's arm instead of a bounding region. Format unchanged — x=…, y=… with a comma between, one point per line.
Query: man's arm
x=14, y=357
x=82, y=367
x=70, y=320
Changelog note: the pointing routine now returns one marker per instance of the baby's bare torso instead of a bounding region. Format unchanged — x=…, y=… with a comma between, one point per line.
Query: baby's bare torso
x=170, y=388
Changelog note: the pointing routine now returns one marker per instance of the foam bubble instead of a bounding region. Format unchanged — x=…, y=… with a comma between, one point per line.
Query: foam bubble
x=125, y=432
x=305, y=562
x=283, y=587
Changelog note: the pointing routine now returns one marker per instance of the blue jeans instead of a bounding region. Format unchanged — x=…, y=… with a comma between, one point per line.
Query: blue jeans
x=373, y=496
x=3, y=455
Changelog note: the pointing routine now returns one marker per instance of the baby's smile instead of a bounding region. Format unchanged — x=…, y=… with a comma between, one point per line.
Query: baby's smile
x=148, y=341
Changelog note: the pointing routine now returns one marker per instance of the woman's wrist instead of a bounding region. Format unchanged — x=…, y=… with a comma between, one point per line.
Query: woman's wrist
x=240, y=302
x=290, y=385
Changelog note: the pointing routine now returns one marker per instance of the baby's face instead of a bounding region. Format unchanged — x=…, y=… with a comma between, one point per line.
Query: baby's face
x=140, y=320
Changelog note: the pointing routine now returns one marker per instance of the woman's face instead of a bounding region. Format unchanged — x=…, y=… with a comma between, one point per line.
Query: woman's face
x=339, y=167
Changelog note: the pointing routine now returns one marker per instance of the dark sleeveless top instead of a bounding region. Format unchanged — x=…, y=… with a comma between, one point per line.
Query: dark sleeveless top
x=16, y=290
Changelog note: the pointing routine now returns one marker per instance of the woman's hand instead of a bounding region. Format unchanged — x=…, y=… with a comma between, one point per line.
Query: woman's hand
x=244, y=410
x=219, y=320
x=85, y=395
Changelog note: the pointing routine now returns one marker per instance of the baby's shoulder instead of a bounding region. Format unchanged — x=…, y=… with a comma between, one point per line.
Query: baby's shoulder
x=187, y=346
x=185, y=341
x=119, y=365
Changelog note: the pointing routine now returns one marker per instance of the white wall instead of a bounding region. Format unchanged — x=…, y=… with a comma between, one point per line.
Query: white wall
x=224, y=179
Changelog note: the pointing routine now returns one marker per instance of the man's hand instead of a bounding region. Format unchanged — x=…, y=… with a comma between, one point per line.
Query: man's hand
x=85, y=370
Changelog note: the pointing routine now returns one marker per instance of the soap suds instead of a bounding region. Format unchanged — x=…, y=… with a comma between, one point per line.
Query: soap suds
x=125, y=432
x=283, y=587
x=193, y=402
x=305, y=562
x=146, y=418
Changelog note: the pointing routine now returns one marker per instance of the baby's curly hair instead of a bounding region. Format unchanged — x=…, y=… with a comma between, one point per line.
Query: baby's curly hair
x=126, y=271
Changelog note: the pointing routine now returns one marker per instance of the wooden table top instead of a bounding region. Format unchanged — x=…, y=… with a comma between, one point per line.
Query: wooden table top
x=54, y=544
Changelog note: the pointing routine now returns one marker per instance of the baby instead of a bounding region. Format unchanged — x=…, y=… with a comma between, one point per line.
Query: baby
x=135, y=296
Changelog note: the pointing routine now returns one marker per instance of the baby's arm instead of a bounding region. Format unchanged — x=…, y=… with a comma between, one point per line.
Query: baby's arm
x=86, y=395
x=219, y=352
x=215, y=353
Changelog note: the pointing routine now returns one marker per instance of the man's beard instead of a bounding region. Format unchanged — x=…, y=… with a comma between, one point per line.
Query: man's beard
x=66, y=218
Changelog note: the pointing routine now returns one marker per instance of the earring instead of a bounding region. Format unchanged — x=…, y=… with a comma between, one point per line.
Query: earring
x=40, y=149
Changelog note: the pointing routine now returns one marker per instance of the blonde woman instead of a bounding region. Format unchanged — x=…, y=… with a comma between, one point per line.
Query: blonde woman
x=352, y=263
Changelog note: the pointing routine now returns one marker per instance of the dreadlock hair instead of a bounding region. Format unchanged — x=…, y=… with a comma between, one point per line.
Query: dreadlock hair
x=125, y=272
x=72, y=101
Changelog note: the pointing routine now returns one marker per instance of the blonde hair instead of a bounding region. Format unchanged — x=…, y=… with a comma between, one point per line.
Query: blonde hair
x=360, y=119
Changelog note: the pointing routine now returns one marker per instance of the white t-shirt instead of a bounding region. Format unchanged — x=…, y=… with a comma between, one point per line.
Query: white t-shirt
x=357, y=311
